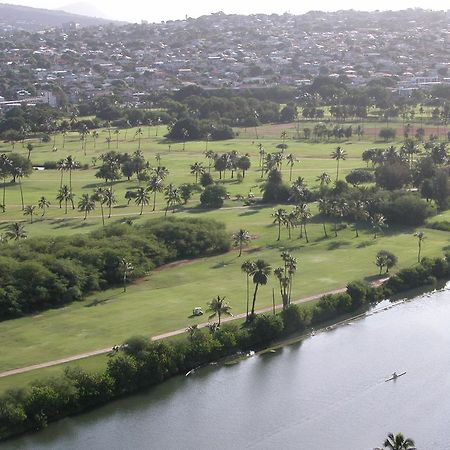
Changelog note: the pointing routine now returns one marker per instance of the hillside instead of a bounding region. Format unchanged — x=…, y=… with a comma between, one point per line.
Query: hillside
x=32, y=19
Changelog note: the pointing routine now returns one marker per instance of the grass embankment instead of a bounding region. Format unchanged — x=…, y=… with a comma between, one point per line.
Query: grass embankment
x=164, y=300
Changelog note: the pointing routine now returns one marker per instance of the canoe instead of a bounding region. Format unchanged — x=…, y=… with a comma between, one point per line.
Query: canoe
x=394, y=378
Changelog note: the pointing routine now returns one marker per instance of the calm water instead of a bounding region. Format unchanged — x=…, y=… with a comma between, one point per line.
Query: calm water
x=327, y=392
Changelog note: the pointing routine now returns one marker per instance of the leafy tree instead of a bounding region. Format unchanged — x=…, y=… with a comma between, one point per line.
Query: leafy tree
x=393, y=176
x=213, y=196
x=359, y=176
x=241, y=238
x=243, y=163
x=218, y=306
x=386, y=259
x=387, y=134
x=86, y=204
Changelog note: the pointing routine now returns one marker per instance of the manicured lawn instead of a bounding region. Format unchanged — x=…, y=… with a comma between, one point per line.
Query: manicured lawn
x=164, y=300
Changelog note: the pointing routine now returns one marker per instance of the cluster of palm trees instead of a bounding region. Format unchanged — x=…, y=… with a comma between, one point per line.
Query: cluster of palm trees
x=399, y=442
x=298, y=217
x=231, y=161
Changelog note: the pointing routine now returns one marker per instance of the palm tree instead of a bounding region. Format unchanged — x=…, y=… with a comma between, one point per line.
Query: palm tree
x=108, y=142
x=29, y=211
x=359, y=210
x=172, y=196
x=71, y=164
x=185, y=134
x=197, y=169
x=5, y=170
x=43, y=204
x=248, y=267
x=241, y=238
x=94, y=137
x=15, y=232
x=279, y=218
x=142, y=198
x=291, y=160
x=117, y=132
x=283, y=136
x=17, y=172
x=99, y=196
x=155, y=185
x=86, y=204
x=420, y=235
x=61, y=165
x=109, y=199
x=127, y=268
x=65, y=195
x=398, y=442
x=30, y=149
x=339, y=154
x=161, y=172
x=210, y=155
x=378, y=222
x=218, y=307
x=324, y=179
x=139, y=134
x=324, y=208
x=260, y=273
x=303, y=214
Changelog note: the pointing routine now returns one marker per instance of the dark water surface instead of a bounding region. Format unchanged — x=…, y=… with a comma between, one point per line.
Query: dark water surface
x=325, y=393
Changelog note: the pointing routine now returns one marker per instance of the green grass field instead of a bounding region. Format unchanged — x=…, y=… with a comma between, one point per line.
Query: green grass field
x=164, y=300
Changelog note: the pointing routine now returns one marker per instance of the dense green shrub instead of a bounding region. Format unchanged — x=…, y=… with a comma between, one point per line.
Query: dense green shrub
x=213, y=196
x=38, y=274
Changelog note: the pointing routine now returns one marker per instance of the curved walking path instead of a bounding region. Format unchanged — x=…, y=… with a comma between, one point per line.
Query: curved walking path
x=102, y=351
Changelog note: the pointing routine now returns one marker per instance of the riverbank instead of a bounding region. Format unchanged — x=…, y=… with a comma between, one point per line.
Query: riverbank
x=143, y=363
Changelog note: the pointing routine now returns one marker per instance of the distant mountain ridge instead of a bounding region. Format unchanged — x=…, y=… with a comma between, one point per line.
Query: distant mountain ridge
x=33, y=19
x=83, y=9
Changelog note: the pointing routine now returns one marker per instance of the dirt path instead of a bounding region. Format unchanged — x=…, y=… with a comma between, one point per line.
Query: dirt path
x=102, y=351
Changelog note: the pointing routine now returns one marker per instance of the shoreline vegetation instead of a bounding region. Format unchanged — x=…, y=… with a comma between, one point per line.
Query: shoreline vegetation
x=141, y=363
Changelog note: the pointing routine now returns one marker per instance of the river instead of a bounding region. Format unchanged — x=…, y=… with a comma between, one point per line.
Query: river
x=327, y=392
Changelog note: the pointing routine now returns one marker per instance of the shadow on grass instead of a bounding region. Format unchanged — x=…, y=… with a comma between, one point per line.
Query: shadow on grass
x=249, y=212
x=365, y=244
x=337, y=244
x=96, y=302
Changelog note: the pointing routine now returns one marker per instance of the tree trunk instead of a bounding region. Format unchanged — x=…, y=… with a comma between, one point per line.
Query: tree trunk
x=21, y=192
x=306, y=234
x=279, y=231
x=254, y=299
x=248, y=297
x=154, y=201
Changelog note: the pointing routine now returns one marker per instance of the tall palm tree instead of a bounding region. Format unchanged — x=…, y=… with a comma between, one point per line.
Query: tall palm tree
x=197, y=169
x=142, y=198
x=117, y=132
x=359, y=211
x=398, y=442
x=86, y=204
x=30, y=149
x=109, y=199
x=420, y=235
x=15, y=232
x=43, y=204
x=279, y=217
x=291, y=160
x=5, y=171
x=139, y=134
x=94, y=137
x=211, y=156
x=155, y=185
x=61, y=166
x=29, y=211
x=378, y=222
x=325, y=209
x=18, y=173
x=240, y=238
x=127, y=269
x=248, y=267
x=303, y=214
x=260, y=273
x=185, y=134
x=172, y=196
x=71, y=164
x=339, y=154
x=218, y=306
x=65, y=195
x=99, y=196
